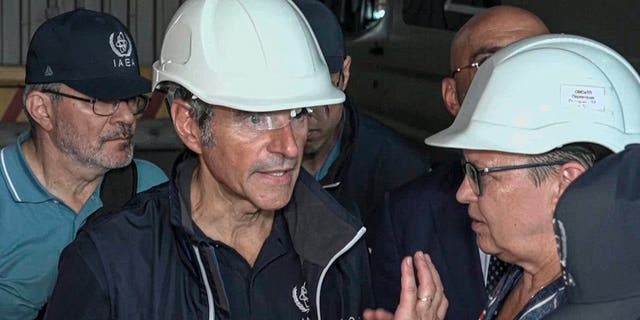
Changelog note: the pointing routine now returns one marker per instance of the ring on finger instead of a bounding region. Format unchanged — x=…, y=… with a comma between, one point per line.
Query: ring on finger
x=426, y=299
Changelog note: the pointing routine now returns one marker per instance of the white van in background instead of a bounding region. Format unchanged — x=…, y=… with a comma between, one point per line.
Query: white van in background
x=400, y=48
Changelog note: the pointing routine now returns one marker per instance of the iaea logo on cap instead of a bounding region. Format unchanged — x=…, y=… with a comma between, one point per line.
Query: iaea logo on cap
x=121, y=45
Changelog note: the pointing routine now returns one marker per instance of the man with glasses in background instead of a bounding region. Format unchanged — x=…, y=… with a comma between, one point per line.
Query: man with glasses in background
x=521, y=151
x=354, y=157
x=82, y=96
x=424, y=214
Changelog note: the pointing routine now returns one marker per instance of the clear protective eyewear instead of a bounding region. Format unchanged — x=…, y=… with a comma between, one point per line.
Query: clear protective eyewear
x=265, y=121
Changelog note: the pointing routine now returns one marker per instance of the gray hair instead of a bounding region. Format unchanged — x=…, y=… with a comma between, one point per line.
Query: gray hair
x=200, y=111
x=586, y=154
x=29, y=88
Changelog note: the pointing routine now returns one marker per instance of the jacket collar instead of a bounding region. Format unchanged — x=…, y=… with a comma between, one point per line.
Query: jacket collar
x=319, y=226
x=180, y=196
x=349, y=136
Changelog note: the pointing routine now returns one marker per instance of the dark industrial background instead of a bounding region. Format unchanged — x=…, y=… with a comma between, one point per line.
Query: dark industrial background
x=400, y=52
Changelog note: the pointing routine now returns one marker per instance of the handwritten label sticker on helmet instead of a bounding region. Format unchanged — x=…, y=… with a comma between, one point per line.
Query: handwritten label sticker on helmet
x=588, y=98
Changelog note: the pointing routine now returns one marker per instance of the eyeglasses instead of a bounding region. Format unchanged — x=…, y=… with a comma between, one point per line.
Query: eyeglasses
x=475, y=65
x=474, y=174
x=264, y=121
x=137, y=105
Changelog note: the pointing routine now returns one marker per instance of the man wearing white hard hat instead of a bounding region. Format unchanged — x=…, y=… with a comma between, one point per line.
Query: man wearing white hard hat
x=539, y=113
x=239, y=232
x=424, y=214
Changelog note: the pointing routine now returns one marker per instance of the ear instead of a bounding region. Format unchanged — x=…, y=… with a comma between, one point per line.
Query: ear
x=568, y=172
x=450, y=96
x=40, y=108
x=346, y=73
x=186, y=127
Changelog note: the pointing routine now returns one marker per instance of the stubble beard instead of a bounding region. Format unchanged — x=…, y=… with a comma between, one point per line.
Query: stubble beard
x=76, y=147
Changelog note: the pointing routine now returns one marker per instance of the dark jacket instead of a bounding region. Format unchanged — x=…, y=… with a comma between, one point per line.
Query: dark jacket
x=373, y=159
x=424, y=215
x=147, y=262
x=598, y=228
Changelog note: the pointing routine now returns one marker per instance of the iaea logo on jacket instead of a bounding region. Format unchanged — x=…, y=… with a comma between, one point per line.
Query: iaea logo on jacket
x=122, y=46
x=300, y=298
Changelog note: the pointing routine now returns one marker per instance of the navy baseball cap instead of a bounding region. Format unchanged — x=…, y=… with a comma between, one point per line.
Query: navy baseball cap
x=327, y=30
x=91, y=52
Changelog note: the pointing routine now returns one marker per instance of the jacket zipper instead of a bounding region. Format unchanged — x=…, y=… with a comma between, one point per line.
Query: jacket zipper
x=206, y=284
x=333, y=259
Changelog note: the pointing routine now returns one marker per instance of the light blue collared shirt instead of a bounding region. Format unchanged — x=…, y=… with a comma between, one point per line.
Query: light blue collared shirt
x=34, y=228
x=333, y=156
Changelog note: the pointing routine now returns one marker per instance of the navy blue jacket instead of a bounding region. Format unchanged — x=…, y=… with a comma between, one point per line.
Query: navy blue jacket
x=373, y=159
x=424, y=215
x=147, y=262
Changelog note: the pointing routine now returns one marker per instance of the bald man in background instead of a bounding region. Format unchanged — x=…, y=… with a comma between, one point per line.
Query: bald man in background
x=424, y=215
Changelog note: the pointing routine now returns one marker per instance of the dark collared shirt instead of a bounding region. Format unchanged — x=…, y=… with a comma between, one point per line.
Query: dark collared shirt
x=274, y=287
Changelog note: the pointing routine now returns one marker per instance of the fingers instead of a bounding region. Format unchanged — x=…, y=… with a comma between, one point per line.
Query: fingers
x=408, y=291
x=436, y=284
x=378, y=314
x=440, y=300
x=427, y=291
x=423, y=301
x=441, y=313
x=435, y=276
x=368, y=314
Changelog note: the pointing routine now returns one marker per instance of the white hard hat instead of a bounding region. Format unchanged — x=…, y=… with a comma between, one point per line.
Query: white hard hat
x=544, y=92
x=251, y=55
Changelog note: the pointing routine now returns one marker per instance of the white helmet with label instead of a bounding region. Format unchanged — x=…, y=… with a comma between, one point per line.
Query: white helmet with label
x=544, y=92
x=251, y=55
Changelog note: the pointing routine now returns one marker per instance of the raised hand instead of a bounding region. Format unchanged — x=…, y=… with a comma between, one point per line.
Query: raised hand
x=425, y=301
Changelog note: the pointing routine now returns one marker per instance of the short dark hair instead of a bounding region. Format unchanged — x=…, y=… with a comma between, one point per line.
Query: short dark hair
x=200, y=111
